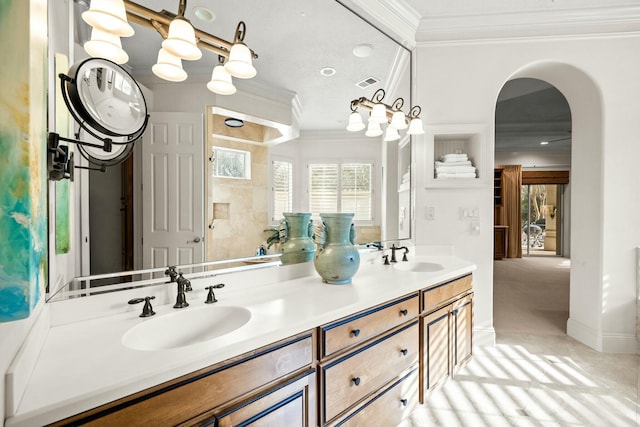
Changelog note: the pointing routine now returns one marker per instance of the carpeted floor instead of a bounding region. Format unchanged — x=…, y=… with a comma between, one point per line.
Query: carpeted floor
x=531, y=295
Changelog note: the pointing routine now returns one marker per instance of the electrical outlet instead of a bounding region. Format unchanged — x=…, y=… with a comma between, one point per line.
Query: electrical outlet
x=431, y=213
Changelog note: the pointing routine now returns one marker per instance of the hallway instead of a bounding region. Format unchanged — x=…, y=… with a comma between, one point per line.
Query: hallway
x=536, y=375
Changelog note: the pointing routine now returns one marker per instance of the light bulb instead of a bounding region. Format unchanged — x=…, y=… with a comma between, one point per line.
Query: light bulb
x=169, y=67
x=106, y=45
x=181, y=40
x=109, y=16
x=373, y=129
x=221, y=82
x=379, y=113
x=391, y=134
x=398, y=120
x=355, y=122
x=239, y=63
x=415, y=127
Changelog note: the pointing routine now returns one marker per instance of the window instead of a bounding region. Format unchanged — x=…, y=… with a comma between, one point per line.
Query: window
x=230, y=163
x=282, y=188
x=345, y=187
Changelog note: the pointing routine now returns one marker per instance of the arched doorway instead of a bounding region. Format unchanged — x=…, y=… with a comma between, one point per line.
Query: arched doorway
x=533, y=158
x=586, y=195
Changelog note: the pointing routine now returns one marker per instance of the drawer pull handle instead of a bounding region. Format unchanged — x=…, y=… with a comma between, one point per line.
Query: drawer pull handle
x=404, y=402
x=356, y=380
x=355, y=332
x=404, y=311
x=404, y=351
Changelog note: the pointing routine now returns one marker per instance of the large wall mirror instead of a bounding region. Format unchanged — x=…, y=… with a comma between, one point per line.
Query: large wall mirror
x=317, y=51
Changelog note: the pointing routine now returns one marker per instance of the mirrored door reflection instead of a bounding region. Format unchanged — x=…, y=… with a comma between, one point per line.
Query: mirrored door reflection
x=541, y=219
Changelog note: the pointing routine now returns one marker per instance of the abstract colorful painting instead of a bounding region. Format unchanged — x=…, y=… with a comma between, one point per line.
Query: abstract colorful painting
x=62, y=187
x=23, y=185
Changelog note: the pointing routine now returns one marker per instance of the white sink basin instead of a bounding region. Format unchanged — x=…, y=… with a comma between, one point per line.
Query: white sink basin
x=185, y=327
x=418, y=266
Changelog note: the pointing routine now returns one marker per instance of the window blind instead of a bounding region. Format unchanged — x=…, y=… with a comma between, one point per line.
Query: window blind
x=282, y=187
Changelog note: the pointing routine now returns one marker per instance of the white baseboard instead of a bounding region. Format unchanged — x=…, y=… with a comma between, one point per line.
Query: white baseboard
x=484, y=337
x=606, y=343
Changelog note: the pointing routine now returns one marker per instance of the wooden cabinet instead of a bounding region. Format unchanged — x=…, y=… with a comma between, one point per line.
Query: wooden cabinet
x=500, y=241
x=446, y=331
x=369, y=368
x=205, y=394
x=352, y=377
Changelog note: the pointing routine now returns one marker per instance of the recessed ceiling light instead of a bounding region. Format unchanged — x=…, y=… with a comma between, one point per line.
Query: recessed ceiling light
x=544, y=143
x=204, y=14
x=363, y=50
x=233, y=123
x=328, y=71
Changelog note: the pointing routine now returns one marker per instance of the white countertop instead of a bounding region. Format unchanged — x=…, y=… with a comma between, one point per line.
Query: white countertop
x=84, y=364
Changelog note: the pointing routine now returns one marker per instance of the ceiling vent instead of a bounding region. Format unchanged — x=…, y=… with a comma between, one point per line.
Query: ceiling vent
x=367, y=82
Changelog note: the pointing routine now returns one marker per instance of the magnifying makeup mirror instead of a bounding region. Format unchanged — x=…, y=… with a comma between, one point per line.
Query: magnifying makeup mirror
x=108, y=104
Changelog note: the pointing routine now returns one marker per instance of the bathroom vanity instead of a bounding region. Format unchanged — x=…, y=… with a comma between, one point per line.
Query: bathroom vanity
x=310, y=354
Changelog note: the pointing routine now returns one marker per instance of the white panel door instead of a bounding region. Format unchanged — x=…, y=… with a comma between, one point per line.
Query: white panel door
x=172, y=183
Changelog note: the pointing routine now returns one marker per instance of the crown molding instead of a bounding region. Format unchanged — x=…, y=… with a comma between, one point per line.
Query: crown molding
x=394, y=17
x=548, y=23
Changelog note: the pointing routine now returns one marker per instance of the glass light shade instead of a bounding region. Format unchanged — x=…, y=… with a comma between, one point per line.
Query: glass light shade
x=355, y=122
x=415, y=127
x=391, y=134
x=378, y=113
x=169, y=67
x=106, y=45
x=398, y=120
x=181, y=40
x=239, y=63
x=109, y=16
x=220, y=82
x=373, y=129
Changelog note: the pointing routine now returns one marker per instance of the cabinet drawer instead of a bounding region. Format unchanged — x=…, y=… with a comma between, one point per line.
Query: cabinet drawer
x=291, y=404
x=356, y=329
x=435, y=296
x=179, y=400
x=389, y=407
x=356, y=375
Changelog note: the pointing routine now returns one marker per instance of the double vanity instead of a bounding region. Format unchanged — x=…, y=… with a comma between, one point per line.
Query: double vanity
x=279, y=347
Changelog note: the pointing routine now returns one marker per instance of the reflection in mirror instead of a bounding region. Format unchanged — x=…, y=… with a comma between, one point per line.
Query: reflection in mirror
x=237, y=211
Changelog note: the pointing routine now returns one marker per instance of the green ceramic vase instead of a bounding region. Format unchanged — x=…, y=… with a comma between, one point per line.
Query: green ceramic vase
x=337, y=260
x=297, y=245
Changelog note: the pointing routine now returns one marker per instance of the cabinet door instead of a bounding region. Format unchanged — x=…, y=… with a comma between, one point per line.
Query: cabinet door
x=462, y=316
x=436, y=347
x=289, y=405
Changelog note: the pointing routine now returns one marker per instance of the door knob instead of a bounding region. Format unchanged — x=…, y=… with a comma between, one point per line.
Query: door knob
x=195, y=240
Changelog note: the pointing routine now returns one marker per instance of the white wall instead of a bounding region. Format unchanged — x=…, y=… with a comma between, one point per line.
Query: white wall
x=460, y=82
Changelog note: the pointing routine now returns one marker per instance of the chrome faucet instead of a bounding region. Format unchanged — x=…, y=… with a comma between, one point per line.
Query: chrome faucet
x=393, y=253
x=184, y=285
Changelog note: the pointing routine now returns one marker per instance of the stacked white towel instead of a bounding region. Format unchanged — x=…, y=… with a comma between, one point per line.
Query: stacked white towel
x=454, y=166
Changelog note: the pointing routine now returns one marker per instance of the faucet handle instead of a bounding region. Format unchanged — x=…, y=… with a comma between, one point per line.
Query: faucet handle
x=171, y=272
x=386, y=259
x=404, y=255
x=147, y=310
x=211, y=297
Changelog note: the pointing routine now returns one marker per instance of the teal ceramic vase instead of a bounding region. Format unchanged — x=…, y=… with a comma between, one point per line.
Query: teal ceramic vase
x=337, y=260
x=296, y=244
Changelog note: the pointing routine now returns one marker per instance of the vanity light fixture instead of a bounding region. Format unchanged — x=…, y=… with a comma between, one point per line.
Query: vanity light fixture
x=182, y=41
x=381, y=113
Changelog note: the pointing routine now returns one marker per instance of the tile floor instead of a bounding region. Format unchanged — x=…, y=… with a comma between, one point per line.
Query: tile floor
x=529, y=380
